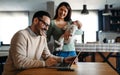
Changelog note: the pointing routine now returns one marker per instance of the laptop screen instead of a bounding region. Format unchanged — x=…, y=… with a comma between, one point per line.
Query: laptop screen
x=76, y=57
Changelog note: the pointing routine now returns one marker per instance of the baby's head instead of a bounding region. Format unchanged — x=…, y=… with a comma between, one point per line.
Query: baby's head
x=75, y=22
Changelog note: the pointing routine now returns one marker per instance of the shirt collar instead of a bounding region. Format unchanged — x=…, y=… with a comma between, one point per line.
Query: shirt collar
x=31, y=32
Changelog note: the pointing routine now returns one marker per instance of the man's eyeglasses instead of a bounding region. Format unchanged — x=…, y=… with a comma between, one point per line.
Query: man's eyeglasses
x=43, y=22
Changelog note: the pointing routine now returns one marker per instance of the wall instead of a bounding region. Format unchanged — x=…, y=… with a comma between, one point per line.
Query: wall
x=50, y=8
x=107, y=35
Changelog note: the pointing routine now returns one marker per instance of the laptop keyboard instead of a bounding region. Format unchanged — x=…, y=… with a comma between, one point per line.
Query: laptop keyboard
x=64, y=65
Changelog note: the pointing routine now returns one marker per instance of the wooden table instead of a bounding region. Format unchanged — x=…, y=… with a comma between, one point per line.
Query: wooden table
x=4, y=51
x=102, y=47
x=82, y=68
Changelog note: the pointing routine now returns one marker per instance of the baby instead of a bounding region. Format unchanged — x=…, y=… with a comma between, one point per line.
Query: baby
x=61, y=41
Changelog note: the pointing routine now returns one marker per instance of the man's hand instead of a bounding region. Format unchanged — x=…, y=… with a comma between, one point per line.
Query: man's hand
x=50, y=62
x=70, y=59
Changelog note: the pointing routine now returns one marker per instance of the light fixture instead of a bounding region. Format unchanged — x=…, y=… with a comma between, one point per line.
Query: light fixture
x=106, y=11
x=84, y=11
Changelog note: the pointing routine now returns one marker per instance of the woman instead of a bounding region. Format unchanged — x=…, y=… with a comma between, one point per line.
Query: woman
x=61, y=19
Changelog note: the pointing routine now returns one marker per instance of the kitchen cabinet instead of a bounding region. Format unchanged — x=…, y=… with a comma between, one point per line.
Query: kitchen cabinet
x=111, y=22
x=115, y=20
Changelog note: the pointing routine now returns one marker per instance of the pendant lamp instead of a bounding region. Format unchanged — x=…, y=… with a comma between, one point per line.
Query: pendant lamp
x=107, y=11
x=84, y=11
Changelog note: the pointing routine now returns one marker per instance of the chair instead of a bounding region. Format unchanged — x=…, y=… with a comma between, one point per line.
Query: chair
x=84, y=55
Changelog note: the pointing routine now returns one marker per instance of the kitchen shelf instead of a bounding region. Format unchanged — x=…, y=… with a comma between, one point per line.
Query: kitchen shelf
x=112, y=22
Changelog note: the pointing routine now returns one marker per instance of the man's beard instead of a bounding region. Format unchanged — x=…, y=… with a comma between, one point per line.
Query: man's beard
x=43, y=32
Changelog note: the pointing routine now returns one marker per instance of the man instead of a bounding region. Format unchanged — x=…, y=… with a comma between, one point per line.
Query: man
x=28, y=48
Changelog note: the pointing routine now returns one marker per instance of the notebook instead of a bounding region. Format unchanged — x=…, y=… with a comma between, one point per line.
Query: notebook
x=65, y=66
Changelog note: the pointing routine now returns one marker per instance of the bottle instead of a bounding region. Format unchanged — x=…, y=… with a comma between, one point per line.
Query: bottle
x=105, y=40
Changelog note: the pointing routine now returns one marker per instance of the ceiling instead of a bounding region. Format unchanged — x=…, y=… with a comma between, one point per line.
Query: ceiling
x=33, y=5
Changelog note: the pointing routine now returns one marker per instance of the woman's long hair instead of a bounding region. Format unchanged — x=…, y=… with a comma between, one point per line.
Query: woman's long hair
x=68, y=17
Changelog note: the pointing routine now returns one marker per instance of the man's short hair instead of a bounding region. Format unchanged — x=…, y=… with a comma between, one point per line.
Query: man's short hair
x=40, y=14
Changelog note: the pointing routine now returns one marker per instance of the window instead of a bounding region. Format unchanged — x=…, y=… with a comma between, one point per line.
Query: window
x=89, y=24
x=10, y=23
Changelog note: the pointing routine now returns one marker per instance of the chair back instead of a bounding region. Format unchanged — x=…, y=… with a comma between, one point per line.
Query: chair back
x=117, y=39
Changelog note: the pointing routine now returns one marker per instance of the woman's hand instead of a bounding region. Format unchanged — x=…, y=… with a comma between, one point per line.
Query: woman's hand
x=67, y=35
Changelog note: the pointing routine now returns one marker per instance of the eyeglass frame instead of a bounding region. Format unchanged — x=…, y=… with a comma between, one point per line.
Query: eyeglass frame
x=47, y=25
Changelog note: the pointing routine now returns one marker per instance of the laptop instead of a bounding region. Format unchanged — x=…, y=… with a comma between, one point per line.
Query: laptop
x=65, y=66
